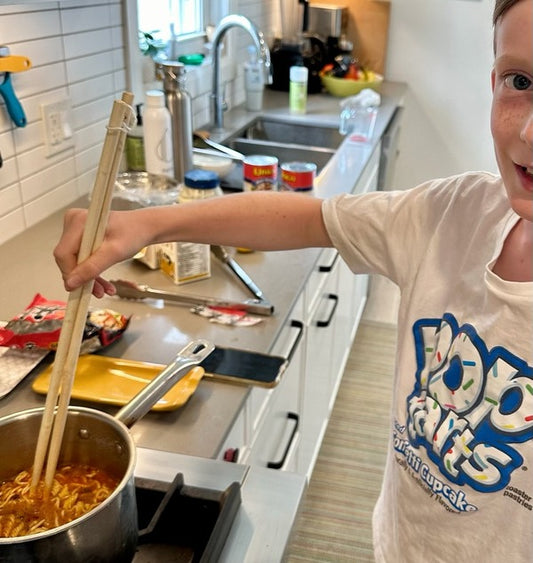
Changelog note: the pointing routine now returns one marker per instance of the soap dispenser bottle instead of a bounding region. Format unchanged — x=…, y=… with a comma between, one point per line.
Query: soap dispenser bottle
x=253, y=80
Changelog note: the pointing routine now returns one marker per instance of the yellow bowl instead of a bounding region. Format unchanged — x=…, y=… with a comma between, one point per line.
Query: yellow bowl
x=343, y=87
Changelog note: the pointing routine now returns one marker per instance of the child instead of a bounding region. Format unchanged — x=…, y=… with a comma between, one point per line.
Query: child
x=457, y=483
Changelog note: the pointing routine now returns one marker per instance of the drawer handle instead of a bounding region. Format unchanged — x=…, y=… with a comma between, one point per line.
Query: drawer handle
x=279, y=464
x=335, y=299
x=300, y=326
x=328, y=268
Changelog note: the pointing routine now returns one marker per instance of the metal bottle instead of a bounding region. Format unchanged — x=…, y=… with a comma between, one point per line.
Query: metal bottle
x=178, y=102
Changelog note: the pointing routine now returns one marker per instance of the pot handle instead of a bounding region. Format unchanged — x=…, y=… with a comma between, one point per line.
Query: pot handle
x=190, y=356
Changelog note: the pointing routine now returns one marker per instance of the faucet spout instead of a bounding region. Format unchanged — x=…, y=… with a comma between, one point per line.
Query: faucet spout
x=263, y=53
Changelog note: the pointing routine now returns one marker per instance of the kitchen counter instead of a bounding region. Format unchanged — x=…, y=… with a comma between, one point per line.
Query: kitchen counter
x=157, y=330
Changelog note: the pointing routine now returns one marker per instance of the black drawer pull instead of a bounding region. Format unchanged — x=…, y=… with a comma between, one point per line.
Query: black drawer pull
x=279, y=464
x=300, y=326
x=335, y=299
x=329, y=267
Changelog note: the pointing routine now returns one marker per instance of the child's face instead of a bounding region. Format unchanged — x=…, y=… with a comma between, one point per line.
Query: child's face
x=512, y=105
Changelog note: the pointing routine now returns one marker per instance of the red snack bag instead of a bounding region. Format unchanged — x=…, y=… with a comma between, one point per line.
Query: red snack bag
x=39, y=326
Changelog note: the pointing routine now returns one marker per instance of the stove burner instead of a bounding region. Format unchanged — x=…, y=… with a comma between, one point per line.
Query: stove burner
x=180, y=523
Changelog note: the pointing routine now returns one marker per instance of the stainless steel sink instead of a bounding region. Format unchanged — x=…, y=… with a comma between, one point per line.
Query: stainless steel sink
x=275, y=131
x=288, y=142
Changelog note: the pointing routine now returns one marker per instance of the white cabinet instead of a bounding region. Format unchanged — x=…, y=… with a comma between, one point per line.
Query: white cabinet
x=266, y=431
x=283, y=427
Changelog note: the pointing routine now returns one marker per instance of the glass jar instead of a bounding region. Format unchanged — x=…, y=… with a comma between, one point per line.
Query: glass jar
x=199, y=184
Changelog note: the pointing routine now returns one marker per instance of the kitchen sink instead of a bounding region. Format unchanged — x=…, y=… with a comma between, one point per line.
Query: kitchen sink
x=271, y=130
x=288, y=142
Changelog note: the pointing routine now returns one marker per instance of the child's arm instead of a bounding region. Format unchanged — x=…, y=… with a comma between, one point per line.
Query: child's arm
x=259, y=220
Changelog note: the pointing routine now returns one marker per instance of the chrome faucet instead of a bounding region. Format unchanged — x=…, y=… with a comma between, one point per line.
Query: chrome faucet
x=234, y=20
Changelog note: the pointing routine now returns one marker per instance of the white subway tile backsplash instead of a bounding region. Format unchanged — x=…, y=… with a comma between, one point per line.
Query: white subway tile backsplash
x=32, y=105
x=40, y=208
x=92, y=65
x=8, y=174
x=89, y=136
x=29, y=137
x=29, y=26
x=87, y=43
x=7, y=147
x=76, y=20
x=77, y=51
x=88, y=159
x=12, y=224
x=21, y=8
x=33, y=161
x=119, y=80
x=84, y=115
x=40, y=51
x=37, y=185
x=85, y=182
x=39, y=79
x=10, y=198
x=117, y=38
x=91, y=90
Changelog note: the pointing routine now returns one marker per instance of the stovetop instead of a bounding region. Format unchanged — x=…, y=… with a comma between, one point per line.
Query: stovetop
x=181, y=523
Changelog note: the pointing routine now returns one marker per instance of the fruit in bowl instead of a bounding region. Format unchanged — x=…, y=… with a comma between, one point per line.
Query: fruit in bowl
x=346, y=77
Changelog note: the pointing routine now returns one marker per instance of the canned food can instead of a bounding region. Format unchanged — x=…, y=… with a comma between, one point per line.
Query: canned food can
x=297, y=176
x=260, y=173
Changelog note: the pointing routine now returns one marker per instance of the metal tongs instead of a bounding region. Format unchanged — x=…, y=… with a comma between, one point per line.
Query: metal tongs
x=221, y=253
x=259, y=305
x=131, y=290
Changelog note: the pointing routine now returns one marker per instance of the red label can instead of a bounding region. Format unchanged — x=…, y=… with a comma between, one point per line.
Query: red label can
x=297, y=176
x=260, y=173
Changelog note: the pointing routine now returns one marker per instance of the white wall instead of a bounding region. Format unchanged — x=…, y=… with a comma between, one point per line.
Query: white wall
x=443, y=50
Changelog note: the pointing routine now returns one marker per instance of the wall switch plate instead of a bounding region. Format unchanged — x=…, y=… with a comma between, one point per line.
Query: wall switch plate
x=57, y=126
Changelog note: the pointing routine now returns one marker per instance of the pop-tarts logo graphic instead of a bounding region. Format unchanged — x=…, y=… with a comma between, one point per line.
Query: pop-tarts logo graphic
x=470, y=406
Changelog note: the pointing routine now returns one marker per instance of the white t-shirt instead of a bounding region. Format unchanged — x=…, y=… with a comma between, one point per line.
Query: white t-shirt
x=458, y=483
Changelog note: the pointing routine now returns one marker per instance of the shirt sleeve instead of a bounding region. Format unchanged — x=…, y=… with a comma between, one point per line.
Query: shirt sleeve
x=389, y=232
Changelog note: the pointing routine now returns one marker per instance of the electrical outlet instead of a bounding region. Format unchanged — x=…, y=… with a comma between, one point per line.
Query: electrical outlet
x=57, y=126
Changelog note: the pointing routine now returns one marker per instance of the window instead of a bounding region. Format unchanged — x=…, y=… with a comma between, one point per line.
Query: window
x=166, y=18
x=189, y=18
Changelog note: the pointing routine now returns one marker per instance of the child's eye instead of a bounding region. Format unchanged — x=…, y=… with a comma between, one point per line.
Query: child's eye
x=518, y=82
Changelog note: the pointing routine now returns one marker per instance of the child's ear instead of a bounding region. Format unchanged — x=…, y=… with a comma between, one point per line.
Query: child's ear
x=492, y=79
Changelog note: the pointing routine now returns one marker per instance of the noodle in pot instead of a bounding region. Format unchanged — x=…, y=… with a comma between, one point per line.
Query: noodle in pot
x=76, y=490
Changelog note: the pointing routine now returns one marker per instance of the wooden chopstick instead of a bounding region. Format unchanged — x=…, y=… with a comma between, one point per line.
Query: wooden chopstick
x=69, y=343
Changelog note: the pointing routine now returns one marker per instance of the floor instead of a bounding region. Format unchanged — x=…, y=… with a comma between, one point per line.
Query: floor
x=383, y=301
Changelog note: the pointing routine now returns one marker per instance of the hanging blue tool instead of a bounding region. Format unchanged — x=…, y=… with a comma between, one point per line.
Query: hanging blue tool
x=8, y=64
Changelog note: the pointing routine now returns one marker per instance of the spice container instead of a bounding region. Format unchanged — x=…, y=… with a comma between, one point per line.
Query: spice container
x=186, y=262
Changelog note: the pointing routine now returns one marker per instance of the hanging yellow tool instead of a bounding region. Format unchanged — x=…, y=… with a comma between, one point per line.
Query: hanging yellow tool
x=14, y=63
x=8, y=64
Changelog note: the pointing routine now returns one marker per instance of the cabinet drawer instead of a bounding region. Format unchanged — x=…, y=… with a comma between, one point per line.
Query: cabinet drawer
x=277, y=440
x=319, y=276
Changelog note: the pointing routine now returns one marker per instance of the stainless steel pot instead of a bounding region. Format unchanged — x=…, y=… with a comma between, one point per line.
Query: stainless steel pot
x=109, y=532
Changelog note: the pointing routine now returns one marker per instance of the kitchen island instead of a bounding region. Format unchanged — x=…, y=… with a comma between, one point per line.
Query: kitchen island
x=203, y=427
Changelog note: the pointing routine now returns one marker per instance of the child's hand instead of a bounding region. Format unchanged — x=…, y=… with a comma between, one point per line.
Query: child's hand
x=119, y=243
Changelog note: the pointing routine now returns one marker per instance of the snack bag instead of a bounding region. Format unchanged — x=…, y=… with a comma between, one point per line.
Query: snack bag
x=39, y=326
